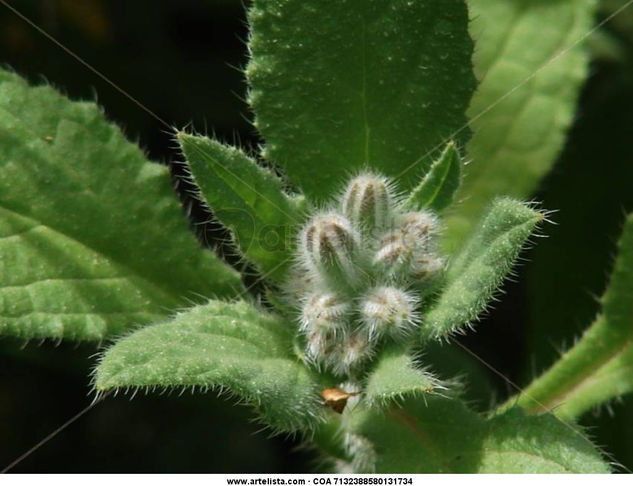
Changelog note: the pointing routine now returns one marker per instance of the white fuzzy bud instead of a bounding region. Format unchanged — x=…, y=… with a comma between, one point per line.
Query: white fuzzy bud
x=349, y=351
x=325, y=312
x=425, y=267
x=367, y=202
x=319, y=345
x=358, y=349
x=393, y=253
x=389, y=310
x=411, y=240
x=329, y=243
x=355, y=264
x=417, y=229
x=299, y=284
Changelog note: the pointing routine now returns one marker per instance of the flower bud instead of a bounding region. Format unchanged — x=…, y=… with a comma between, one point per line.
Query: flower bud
x=318, y=345
x=393, y=254
x=358, y=348
x=299, y=284
x=341, y=353
x=367, y=202
x=388, y=310
x=418, y=228
x=323, y=311
x=425, y=267
x=329, y=244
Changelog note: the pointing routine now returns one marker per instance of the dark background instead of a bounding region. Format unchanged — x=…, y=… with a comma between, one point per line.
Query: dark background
x=181, y=59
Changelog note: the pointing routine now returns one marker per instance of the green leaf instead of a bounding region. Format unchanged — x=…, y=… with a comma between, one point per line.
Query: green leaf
x=515, y=141
x=600, y=366
x=437, y=188
x=395, y=377
x=378, y=84
x=479, y=269
x=443, y=435
x=247, y=199
x=92, y=239
x=230, y=347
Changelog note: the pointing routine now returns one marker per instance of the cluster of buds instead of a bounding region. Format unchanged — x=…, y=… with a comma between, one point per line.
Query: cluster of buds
x=360, y=269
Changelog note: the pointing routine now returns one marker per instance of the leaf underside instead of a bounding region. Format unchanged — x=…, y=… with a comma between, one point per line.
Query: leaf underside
x=92, y=240
x=231, y=347
x=380, y=86
x=524, y=132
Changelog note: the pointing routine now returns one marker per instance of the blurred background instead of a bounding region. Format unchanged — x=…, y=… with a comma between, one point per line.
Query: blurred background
x=182, y=59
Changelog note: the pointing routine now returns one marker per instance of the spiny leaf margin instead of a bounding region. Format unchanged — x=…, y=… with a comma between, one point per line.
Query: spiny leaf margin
x=478, y=270
x=437, y=189
x=87, y=225
x=395, y=376
x=235, y=347
x=247, y=199
x=600, y=366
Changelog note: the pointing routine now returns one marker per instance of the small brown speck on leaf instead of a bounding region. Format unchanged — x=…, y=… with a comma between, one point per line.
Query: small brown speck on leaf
x=336, y=399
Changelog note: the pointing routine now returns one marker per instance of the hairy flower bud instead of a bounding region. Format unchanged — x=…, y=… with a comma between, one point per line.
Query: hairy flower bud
x=393, y=253
x=411, y=240
x=300, y=283
x=329, y=244
x=355, y=265
x=425, y=267
x=358, y=349
x=367, y=202
x=319, y=345
x=418, y=228
x=323, y=311
x=389, y=310
x=349, y=352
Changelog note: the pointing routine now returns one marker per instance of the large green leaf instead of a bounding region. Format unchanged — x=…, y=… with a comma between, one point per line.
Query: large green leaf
x=600, y=366
x=348, y=84
x=247, y=199
x=231, y=347
x=516, y=141
x=479, y=269
x=92, y=240
x=443, y=435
